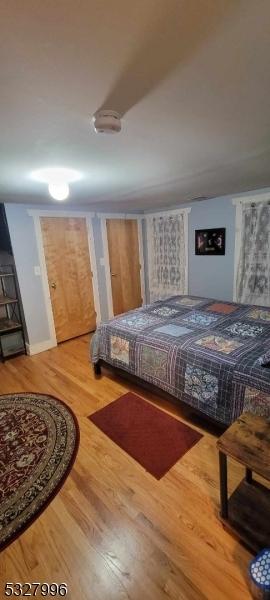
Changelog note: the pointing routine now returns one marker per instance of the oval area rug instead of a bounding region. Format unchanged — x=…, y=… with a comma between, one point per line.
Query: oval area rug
x=39, y=439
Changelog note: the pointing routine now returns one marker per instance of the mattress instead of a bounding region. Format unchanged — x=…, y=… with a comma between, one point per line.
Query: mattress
x=202, y=351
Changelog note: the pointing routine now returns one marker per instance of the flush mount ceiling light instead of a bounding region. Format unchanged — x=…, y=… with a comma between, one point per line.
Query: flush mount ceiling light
x=57, y=179
x=59, y=191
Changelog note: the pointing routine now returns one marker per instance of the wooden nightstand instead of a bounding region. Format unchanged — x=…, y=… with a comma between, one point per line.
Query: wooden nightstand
x=247, y=512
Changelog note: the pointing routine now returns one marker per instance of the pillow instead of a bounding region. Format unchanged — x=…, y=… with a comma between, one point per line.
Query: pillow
x=264, y=360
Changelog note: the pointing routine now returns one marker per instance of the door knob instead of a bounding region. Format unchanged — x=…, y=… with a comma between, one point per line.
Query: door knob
x=114, y=274
x=53, y=285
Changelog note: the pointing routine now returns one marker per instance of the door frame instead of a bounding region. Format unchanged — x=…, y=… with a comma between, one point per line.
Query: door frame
x=36, y=214
x=125, y=216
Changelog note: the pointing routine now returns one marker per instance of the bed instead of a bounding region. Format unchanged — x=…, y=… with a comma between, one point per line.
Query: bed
x=204, y=352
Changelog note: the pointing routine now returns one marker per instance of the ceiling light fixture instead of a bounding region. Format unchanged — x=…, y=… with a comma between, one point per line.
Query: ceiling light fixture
x=107, y=121
x=57, y=179
x=59, y=191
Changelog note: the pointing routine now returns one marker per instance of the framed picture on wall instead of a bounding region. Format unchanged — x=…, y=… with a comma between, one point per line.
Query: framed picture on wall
x=210, y=241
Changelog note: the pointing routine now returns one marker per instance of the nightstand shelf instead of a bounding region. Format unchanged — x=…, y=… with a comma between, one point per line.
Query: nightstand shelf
x=249, y=515
x=247, y=512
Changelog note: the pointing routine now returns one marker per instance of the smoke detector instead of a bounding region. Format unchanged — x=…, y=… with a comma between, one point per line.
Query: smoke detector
x=107, y=121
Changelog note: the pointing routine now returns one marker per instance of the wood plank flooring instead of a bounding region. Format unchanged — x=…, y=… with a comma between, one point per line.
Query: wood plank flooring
x=114, y=532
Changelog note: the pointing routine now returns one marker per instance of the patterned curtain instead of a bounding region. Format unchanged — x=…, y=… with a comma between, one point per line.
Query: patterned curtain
x=253, y=275
x=167, y=255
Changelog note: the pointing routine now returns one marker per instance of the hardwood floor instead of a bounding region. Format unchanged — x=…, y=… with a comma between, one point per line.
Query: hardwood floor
x=114, y=532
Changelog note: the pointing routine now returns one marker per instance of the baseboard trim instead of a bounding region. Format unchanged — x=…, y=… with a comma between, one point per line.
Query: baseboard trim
x=40, y=347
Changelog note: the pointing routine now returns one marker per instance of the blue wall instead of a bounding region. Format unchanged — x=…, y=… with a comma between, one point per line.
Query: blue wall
x=210, y=276
x=25, y=251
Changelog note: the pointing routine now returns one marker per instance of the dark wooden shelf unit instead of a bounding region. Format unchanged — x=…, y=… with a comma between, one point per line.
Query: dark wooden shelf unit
x=8, y=325
x=6, y=300
x=10, y=315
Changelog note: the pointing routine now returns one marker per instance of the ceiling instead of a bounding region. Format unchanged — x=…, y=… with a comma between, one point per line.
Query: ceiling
x=191, y=79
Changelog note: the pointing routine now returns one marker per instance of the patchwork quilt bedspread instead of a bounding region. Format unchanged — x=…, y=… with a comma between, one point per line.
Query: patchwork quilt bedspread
x=202, y=351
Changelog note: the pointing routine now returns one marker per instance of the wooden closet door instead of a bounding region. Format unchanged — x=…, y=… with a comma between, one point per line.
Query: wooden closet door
x=66, y=249
x=123, y=246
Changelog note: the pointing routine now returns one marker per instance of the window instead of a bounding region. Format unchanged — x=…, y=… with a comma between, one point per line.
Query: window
x=252, y=251
x=167, y=253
